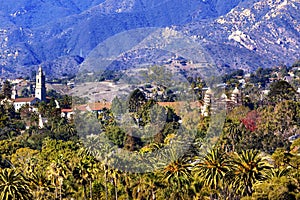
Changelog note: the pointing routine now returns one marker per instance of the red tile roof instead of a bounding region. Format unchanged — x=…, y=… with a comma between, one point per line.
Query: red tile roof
x=99, y=106
x=29, y=99
x=66, y=110
x=170, y=104
x=81, y=107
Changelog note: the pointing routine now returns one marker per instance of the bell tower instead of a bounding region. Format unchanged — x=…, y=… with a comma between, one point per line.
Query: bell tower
x=40, y=87
x=14, y=93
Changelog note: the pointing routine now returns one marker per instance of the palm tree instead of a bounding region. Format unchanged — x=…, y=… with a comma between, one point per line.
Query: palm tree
x=233, y=133
x=84, y=173
x=57, y=172
x=175, y=175
x=145, y=186
x=248, y=168
x=13, y=185
x=211, y=170
x=115, y=175
x=63, y=129
x=40, y=185
x=276, y=173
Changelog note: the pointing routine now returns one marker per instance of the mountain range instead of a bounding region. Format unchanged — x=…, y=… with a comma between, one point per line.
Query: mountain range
x=61, y=34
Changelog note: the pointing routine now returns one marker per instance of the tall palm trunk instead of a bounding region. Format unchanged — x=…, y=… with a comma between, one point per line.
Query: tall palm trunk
x=153, y=194
x=60, y=197
x=116, y=187
x=105, y=176
x=84, y=191
x=56, y=192
x=91, y=192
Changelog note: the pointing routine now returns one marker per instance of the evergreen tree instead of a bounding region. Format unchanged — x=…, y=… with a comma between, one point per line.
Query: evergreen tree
x=7, y=89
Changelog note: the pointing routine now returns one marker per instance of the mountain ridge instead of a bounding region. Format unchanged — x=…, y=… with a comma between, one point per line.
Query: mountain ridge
x=235, y=33
x=248, y=28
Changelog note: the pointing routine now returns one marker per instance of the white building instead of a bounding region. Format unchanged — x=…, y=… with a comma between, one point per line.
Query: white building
x=40, y=93
x=40, y=87
x=19, y=102
x=212, y=103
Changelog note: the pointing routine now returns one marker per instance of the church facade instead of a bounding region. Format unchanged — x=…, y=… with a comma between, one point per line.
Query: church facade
x=211, y=103
x=40, y=92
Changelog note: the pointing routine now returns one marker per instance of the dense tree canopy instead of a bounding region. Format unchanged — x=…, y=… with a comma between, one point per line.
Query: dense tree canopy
x=255, y=157
x=281, y=90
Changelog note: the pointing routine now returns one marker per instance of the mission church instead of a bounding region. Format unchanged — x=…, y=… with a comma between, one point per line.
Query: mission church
x=40, y=92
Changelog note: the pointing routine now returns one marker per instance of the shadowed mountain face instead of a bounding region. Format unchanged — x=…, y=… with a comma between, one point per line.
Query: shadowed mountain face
x=28, y=13
x=237, y=33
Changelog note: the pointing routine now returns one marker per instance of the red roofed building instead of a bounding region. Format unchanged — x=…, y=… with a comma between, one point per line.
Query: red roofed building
x=40, y=93
x=19, y=102
x=98, y=106
x=81, y=107
x=67, y=112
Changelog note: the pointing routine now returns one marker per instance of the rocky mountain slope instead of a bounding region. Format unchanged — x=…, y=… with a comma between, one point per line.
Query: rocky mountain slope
x=27, y=13
x=236, y=33
x=255, y=33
